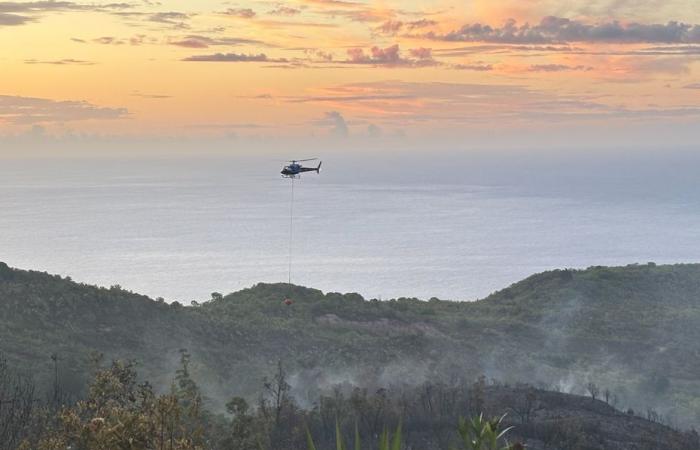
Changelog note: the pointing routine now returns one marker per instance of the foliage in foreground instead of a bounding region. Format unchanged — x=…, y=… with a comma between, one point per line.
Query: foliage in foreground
x=386, y=440
x=476, y=433
x=120, y=412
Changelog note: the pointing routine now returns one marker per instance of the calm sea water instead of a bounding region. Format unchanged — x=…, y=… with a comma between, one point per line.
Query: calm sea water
x=182, y=229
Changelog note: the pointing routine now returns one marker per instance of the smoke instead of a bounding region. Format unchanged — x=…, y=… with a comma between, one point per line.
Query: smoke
x=308, y=385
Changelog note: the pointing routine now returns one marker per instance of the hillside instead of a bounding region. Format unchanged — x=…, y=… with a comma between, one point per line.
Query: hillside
x=633, y=330
x=553, y=420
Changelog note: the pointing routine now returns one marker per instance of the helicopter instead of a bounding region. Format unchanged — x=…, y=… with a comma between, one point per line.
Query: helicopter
x=294, y=169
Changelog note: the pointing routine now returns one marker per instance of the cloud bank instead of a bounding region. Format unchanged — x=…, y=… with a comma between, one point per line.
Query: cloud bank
x=552, y=30
x=232, y=57
x=32, y=110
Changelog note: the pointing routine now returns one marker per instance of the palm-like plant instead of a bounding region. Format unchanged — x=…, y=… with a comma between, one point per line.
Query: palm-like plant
x=478, y=433
x=386, y=440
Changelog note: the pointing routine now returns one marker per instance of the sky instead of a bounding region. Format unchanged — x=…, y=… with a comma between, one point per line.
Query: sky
x=407, y=73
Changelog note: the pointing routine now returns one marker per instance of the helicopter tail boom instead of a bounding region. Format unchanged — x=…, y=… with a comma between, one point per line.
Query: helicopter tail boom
x=311, y=169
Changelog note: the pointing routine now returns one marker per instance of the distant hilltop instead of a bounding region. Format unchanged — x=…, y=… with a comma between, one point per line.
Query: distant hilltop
x=634, y=331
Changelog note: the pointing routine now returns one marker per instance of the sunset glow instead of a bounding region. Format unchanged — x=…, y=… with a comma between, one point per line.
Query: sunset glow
x=341, y=68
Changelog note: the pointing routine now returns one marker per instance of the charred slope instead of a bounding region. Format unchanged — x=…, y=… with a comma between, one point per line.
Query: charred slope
x=551, y=420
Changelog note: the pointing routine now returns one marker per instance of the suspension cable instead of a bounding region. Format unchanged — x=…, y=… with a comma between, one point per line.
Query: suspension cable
x=291, y=236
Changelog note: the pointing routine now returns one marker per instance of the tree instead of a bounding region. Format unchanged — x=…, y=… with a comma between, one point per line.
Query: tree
x=17, y=401
x=593, y=390
x=525, y=404
x=242, y=433
x=477, y=395
x=189, y=397
x=281, y=420
x=276, y=393
x=371, y=410
x=120, y=413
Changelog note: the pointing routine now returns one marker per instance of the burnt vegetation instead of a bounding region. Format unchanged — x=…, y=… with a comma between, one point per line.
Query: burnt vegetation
x=121, y=411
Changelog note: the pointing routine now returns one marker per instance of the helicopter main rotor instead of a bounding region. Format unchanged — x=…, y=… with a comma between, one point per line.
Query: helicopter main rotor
x=302, y=160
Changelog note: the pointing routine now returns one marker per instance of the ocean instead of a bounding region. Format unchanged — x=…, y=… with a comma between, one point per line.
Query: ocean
x=186, y=227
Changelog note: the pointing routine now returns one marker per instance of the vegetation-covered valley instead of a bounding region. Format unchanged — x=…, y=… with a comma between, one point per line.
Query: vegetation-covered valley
x=604, y=353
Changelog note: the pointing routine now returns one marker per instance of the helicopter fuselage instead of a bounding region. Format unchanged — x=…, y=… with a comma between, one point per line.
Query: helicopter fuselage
x=293, y=170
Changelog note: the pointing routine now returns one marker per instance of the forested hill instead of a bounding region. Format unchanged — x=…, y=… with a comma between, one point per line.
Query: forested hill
x=634, y=331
